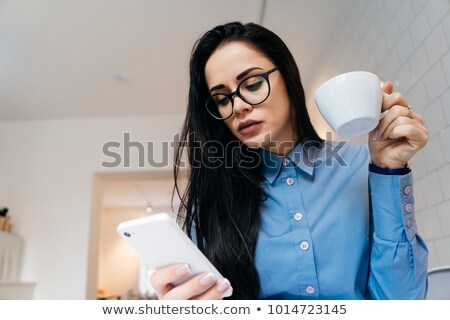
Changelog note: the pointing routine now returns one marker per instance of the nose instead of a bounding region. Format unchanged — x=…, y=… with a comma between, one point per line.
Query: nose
x=240, y=106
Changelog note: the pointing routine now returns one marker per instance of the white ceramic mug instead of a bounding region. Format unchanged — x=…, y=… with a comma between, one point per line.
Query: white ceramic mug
x=351, y=102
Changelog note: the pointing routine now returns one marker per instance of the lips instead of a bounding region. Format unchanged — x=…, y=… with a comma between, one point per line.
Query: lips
x=249, y=126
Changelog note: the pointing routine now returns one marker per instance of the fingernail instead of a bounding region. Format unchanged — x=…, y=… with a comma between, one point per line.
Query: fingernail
x=183, y=270
x=376, y=135
x=224, y=284
x=208, y=279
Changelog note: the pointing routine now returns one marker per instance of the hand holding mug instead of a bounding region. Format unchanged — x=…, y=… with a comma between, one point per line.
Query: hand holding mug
x=357, y=103
x=399, y=135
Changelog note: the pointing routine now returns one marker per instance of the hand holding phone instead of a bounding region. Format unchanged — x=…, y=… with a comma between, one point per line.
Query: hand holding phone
x=163, y=245
x=202, y=286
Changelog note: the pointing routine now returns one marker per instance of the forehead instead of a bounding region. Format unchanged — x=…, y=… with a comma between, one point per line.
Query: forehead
x=230, y=60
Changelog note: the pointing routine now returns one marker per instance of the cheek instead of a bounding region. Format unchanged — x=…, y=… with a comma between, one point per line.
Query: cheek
x=280, y=110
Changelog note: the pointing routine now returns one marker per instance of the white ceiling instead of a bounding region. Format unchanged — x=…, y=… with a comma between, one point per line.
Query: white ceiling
x=109, y=58
x=98, y=58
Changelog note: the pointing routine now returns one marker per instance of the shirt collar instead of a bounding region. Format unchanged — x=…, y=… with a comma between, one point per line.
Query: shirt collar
x=301, y=156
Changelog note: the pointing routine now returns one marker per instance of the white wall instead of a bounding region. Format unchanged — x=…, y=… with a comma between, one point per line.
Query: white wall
x=47, y=172
x=407, y=42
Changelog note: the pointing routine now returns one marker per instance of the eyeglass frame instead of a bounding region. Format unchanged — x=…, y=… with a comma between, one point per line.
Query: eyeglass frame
x=237, y=93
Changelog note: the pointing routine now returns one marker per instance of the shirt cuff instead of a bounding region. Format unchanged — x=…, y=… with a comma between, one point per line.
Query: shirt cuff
x=393, y=206
x=387, y=171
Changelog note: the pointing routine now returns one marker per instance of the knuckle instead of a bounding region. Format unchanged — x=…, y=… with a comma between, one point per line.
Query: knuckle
x=157, y=281
x=409, y=130
x=402, y=120
x=396, y=123
x=398, y=110
x=396, y=97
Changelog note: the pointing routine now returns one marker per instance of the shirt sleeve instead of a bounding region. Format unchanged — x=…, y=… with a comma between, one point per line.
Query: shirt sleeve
x=399, y=256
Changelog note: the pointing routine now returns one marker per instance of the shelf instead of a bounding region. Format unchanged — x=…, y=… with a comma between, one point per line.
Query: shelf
x=16, y=290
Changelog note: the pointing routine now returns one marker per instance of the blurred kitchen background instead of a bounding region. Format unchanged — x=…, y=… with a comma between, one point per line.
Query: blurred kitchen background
x=75, y=75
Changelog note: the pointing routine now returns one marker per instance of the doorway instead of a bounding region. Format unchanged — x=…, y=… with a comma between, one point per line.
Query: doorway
x=115, y=269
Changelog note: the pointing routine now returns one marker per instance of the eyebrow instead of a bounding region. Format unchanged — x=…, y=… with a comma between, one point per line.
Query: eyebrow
x=238, y=77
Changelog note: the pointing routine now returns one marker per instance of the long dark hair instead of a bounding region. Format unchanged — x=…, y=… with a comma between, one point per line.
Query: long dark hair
x=221, y=203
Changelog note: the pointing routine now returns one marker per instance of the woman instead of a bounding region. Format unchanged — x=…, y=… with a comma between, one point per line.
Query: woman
x=279, y=212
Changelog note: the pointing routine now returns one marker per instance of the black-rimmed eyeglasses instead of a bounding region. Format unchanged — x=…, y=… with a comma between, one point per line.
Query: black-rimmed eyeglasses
x=253, y=90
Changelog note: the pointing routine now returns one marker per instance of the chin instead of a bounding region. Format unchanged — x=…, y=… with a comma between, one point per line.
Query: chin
x=256, y=142
x=252, y=144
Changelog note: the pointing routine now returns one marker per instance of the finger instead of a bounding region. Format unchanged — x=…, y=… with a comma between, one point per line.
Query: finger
x=416, y=116
x=162, y=278
x=416, y=136
x=390, y=100
x=191, y=288
x=388, y=87
x=400, y=121
x=395, y=112
x=216, y=292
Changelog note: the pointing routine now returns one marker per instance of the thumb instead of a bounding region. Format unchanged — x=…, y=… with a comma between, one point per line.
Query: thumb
x=388, y=87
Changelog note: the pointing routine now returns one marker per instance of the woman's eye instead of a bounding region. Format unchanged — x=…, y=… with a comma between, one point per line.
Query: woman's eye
x=254, y=86
x=222, y=102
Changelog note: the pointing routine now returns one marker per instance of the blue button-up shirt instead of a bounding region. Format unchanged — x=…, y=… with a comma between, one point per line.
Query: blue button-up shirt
x=331, y=229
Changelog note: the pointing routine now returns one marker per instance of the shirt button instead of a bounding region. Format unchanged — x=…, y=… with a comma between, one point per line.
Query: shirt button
x=409, y=223
x=310, y=289
x=304, y=245
x=285, y=161
x=407, y=190
x=289, y=181
x=298, y=216
x=408, y=207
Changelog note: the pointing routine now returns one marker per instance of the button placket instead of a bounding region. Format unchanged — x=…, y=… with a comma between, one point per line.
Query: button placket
x=298, y=219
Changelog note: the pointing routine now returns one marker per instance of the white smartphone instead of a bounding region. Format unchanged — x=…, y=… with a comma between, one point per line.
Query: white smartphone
x=160, y=242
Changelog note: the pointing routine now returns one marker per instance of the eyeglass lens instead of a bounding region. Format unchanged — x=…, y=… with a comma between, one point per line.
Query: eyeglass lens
x=253, y=90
